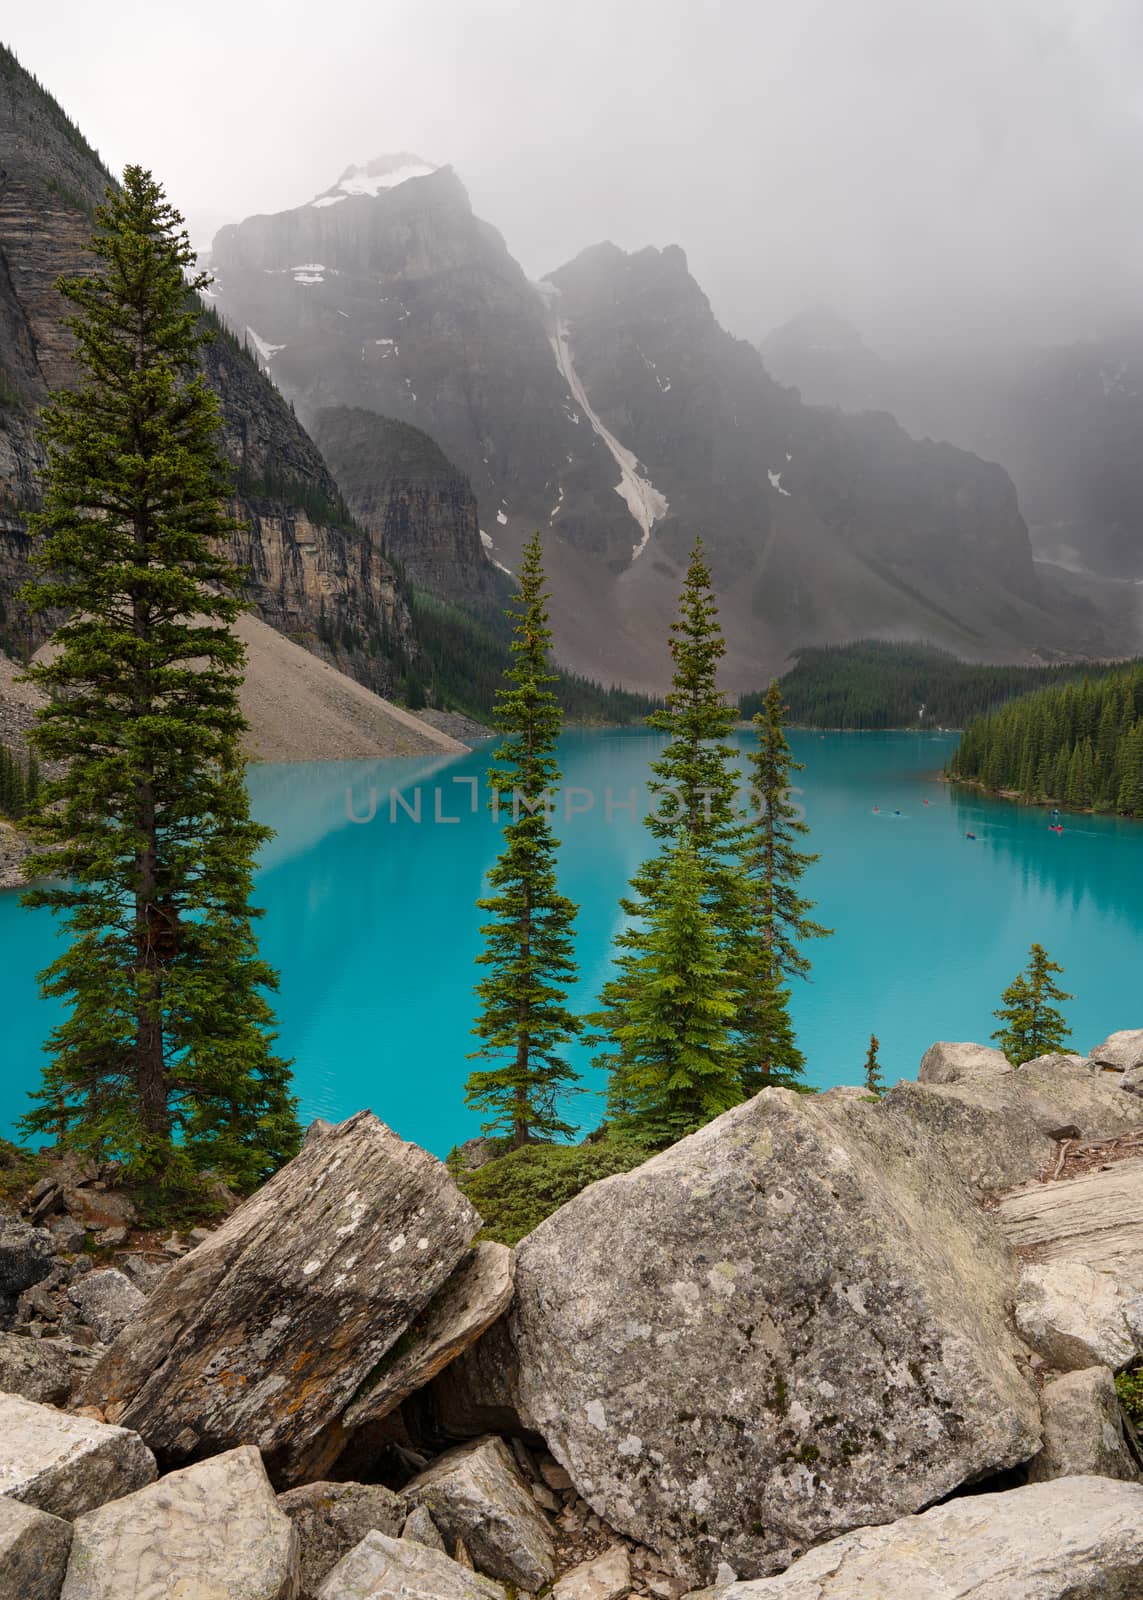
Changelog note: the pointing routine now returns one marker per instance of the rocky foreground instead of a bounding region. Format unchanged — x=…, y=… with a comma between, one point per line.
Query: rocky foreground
x=827, y=1348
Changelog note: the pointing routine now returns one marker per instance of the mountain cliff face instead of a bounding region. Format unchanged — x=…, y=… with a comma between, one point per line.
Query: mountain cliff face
x=608, y=407
x=312, y=574
x=1065, y=422
x=406, y=493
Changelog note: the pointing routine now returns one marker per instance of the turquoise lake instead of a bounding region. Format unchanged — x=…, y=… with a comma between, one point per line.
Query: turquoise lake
x=371, y=923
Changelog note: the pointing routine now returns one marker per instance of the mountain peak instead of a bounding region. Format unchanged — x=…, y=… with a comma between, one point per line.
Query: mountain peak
x=383, y=172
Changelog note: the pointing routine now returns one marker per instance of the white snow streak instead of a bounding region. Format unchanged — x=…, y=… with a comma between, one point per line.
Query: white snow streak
x=776, y=482
x=486, y=539
x=329, y=199
x=645, y=503
x=502, y=519
x=266, y=350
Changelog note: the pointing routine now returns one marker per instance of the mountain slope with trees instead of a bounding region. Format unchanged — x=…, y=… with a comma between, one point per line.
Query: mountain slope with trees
x=1079, y=746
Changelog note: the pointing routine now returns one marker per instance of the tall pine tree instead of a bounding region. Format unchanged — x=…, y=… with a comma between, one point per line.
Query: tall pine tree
x=530, y=941
x=673, y=1065
x=779, y=921
x=695, y=782
x=1033, y=1025
x=165, y=1059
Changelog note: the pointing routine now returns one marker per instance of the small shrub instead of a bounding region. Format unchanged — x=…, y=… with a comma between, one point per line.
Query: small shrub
x=515, y=1192
x=1129, y=1387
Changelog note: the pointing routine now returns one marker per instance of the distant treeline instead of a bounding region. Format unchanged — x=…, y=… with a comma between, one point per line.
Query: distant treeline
x=19, y=783
x=460, y=665
x=1079, y=746
x=872, y=684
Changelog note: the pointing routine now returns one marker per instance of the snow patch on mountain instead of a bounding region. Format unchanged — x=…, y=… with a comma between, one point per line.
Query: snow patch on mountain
x=776, y=482
x=646, y=503
x=264, y=348
x=385, y=172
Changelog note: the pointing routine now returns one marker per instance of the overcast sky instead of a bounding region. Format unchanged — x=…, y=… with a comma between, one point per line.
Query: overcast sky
x=923, y=165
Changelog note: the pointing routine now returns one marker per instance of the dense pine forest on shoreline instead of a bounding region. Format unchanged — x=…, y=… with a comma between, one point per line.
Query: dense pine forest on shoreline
x=1079, y=745
x=873, y=685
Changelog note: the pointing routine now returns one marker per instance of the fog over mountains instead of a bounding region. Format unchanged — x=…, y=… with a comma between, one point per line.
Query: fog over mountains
x=561, y=328
x=606, y=405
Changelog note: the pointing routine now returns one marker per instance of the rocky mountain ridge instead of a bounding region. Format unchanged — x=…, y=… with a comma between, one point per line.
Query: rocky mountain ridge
x=847, y=1335
x=311, y=572
x=606, y=406
x=1063, y=420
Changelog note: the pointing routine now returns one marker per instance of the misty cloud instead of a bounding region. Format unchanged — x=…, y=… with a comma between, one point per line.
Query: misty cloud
x=931, y=170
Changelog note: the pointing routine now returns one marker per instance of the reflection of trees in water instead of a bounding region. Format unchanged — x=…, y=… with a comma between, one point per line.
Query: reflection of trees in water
x=1070, y=869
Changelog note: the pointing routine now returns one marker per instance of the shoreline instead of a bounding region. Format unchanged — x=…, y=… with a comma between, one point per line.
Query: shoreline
x=1018, y=798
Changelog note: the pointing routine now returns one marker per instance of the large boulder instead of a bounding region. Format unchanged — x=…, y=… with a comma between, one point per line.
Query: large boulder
x=946, y=1062
x=33, y=1552
x=472, y=1299
x=267, y=1331
x=44, y=1370
x=331, y=1519
x=1076, y=1317
x=107, y=1301
x=65, y=1464
x=1083, y=1430
x=1004, y=1130
x=789, y=1324
x=1119, y=1053
x=1073, y=1539
x=401, y=1569
x=25, y=1259
x=1096, y=1218
x=477, y=1498
x=212, y=1531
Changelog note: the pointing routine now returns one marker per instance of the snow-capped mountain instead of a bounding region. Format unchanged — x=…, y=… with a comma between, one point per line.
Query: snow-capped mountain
x=607, y=406
x=383, y=172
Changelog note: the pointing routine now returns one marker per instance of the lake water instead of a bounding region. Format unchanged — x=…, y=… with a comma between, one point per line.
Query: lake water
x=372, y=926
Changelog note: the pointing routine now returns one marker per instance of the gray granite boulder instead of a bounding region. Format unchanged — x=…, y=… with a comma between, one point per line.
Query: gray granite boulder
x=44, y=1370
x=107, y=1301
x=1120, y=1052
x=604, y=1577
x=1004, y=1130
x=946, y=1062
x=791, y=1323
x=331, y=1519
x=477, y=1497
x=210, y=1532
x=420, y=1527
x=1072, y=1539
x=1083, y=1430
x=1076, y=1317
x=33, y=1552
x=265, y=1333
x=66, y=1464
x=400, y=1569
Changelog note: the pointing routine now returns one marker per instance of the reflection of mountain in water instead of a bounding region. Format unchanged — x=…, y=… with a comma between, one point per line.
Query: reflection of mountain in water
x=306, y=801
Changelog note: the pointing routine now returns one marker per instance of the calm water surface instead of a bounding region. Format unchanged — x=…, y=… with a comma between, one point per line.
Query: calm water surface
x=372, y=926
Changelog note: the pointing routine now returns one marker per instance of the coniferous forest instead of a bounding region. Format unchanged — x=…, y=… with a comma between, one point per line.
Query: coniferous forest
x=1079, y=745
x=874, y=685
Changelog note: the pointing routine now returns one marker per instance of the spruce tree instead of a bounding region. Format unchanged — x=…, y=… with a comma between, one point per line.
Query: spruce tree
x=165, y=1059
x=695, y=780
x=695, y=783
x=873, y=1080
x=1033, y=1026
x=673, y=1065
x=778, y=918
x=529, y=942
